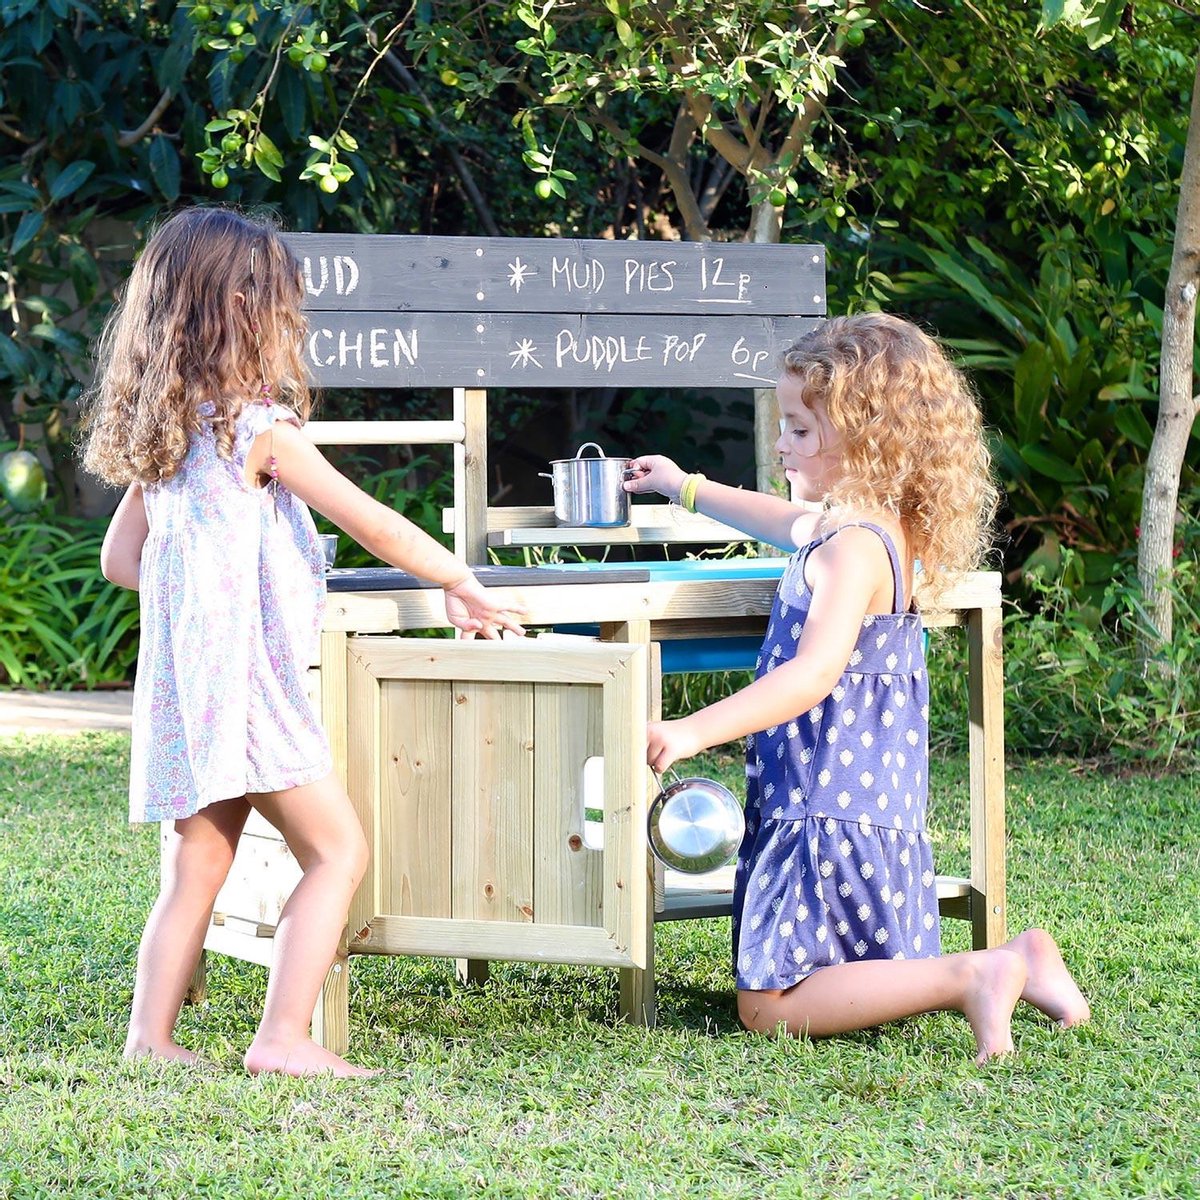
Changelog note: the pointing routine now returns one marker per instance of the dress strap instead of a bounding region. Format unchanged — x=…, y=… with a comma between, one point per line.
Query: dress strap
x=889, y=545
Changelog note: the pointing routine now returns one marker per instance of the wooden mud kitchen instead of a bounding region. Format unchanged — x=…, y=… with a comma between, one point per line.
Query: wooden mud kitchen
x=503, y=785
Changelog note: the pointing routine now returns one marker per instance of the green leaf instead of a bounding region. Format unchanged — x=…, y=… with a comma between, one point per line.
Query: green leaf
x=1131, y=421
x=1032, y=381
x=625, y=34
x=27, y=230
x=1050, y=465
x=263, y=161
x=164, y=167
x=70, y=179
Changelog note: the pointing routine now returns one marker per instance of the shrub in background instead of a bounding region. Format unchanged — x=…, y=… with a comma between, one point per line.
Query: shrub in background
x=62, y=624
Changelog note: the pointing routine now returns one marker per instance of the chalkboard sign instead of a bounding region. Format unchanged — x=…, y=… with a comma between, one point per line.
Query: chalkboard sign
x=397, y=311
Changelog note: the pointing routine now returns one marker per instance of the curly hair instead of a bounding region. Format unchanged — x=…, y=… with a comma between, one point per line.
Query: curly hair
x=210, y=288
x=911, y=435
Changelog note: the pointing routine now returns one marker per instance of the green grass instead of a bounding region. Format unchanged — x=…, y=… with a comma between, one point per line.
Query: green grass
x=527, y=1087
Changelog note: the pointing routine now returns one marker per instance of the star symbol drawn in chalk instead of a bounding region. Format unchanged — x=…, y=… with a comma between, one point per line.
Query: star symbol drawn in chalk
x=523, y=355
x=518, y=273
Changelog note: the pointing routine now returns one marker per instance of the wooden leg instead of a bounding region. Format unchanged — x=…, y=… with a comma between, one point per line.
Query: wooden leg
x=197, y=989
x=331, y=1017
x=638, y=1004
x=473, y=971
x=985, y=686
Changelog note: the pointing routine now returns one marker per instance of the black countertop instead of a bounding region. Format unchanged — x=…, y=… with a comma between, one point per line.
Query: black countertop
x=389, y=579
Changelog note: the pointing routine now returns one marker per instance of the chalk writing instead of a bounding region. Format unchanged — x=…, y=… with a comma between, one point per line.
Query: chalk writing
x=345, y=274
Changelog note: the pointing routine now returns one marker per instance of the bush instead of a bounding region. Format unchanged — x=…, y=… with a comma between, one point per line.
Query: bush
x=61, y=623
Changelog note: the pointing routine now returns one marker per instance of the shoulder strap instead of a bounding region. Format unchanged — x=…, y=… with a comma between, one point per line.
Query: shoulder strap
x=893, y=557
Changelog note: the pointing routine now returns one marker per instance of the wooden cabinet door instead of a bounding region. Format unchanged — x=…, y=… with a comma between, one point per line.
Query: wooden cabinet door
x=465, y=761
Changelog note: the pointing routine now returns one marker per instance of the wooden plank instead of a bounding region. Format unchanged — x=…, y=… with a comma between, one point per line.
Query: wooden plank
x=568, y=878
x=363, y=784
x=331, y=1015
x=540, y=517
x=626, y=895
x=985, y=702
x=535, y=350
x=331, y=698
x=558, y=604
x=238, y=945
x=525, y=660
x=491, y=750
x=260, y=880
x=415, y=797
x=529, y=275
x=384, y=433
x=508, y=941
x=471, y=476
x=711, y=895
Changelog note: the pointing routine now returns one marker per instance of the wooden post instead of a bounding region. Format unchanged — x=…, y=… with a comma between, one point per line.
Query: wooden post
x=331, y=1017
x=637, y=1005
x=985, y=687
x=470, y=476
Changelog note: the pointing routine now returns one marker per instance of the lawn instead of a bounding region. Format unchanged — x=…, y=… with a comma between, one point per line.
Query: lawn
x=527, y=1087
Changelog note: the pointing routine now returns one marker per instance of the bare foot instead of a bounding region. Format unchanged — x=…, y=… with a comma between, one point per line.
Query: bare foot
x=163, y=1052
x=992, y=996
x=300, y=1058
x=1049, y=985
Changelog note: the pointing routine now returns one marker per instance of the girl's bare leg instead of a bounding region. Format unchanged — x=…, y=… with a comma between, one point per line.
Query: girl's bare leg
x=197, y=858
x=322, y=831
x=1049, y=985
x=984, y=985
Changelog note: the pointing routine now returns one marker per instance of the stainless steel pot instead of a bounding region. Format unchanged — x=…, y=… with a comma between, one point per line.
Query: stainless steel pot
x=695, y=825
x=588, y=491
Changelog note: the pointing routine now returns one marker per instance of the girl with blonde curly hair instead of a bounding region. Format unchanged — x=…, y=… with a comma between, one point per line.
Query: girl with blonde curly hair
x=198, y=408
x=835, y=917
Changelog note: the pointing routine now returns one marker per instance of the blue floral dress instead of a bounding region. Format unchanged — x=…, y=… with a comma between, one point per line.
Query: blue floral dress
x=836, y=864
x=232, y=588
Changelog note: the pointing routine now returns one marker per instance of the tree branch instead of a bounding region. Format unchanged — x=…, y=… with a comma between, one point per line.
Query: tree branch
x=461, y=167
x=130, y=137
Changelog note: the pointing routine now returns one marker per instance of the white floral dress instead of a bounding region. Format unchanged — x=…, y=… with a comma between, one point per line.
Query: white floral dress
x=232, y=589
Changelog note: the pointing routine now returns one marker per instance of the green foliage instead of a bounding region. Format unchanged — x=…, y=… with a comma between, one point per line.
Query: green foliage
x=1073, y=680
x=61, y=623
x=1068, y=394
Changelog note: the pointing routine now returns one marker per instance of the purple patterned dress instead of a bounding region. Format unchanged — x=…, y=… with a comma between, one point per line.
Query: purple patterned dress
x=232, y=590
x=836, y=864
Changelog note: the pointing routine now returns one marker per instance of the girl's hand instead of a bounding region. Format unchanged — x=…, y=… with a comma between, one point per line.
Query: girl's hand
x=654, y=473
x=470, y=608
x=669, y=742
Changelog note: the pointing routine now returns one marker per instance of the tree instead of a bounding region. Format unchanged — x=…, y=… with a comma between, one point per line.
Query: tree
x=1179, y=403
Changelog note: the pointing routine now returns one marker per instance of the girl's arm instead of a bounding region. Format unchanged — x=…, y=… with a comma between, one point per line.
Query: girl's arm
x=765, y=518
x=121, y=551
x=306, y=473
x=846, y=574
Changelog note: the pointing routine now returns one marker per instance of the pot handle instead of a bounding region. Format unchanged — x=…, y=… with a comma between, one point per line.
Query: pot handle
x=579, y=452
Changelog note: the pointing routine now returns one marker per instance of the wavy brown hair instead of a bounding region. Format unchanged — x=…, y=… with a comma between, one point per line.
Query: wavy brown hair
x=184, y=334
x=912, y=435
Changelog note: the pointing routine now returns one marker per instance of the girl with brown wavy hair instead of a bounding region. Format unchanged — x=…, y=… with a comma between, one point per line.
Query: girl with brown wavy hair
x=835, y=918
x=198, y=409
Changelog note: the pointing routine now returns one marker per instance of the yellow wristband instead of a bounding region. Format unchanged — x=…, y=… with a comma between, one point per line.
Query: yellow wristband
x=687, y=493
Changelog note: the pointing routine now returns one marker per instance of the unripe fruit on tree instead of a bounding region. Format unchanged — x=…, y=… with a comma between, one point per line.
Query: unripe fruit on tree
x=329, y=184
x=201, y=13
x=871, y=130
x=543, y=189
x=855, y=36
x=220, y=178
x=449, y=78
x=839, y=210
x=778, y=197
x=22, y=480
